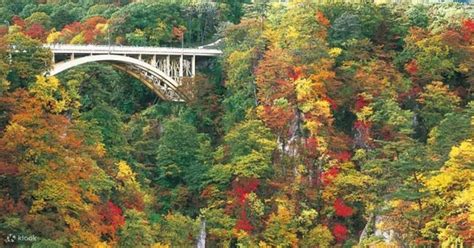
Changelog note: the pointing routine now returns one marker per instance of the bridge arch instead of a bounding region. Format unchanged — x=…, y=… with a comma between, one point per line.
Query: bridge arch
x=162, y=84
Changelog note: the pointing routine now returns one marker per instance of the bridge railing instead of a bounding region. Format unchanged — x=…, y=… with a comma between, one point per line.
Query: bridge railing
x=66, y=48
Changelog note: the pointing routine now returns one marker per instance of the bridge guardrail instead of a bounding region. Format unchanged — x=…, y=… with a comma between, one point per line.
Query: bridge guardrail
x=67, y=48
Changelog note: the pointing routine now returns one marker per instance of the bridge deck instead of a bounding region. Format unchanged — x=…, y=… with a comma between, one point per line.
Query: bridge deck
x=132, y=50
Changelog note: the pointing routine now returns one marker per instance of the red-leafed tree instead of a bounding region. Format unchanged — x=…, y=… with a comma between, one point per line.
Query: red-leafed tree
x=243, y=222
x=3, y=30
x=241, y=188
x=71, y=30
x=342, y=209
x=467, y=30
x=340, y=232
x=18, y=21
x=37, y=31
x=360, y=103
x=328, y=176
x=112, y=218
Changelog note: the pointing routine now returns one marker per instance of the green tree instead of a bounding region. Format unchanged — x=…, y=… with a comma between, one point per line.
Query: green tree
x=346, y=26
x=179, y=230
x=104, y=10
x=417, y=16
x=39, y=18
x=137, y=231
x=23, y=68
x=65, y=14
x=243, y=45
x=46, y=243
x=231, y=10
x=442, y=138
x=137, y=38
x=109, y=121
x=246, y=152
x=99, y=84
x=437, y=101
x=182, y=155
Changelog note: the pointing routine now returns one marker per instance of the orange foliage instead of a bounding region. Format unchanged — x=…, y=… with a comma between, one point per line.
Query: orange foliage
x=322, y=19
x=412, y=67
x=273, y=79
x=178, y=32
x=276, y=118
x=296, y=73
x=91, y=23
x=42, y=146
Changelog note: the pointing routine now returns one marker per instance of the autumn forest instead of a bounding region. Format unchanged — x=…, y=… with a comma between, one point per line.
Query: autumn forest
x=320, y=125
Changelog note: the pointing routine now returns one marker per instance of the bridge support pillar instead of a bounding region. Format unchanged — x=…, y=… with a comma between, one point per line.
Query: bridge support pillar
x=193, y=66
x=72, y=56
x=181, y=62
x=168, y=66
x=153, y=61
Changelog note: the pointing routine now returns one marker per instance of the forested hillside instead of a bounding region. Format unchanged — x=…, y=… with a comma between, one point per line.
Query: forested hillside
x=321, y=125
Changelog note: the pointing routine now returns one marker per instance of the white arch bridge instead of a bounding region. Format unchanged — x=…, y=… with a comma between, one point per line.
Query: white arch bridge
x=161, y=69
